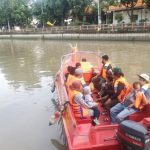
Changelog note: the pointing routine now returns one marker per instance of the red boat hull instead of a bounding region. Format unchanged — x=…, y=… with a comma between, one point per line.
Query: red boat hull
x=80, y=134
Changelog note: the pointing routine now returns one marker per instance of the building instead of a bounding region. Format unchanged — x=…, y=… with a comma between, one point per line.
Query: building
x=140, y=14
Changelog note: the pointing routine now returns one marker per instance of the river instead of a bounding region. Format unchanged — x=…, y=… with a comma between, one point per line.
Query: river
x=27, y=69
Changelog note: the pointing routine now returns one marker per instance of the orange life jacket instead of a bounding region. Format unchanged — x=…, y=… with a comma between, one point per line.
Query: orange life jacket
x=78, y=110
x=70, y=77
x=104, y=70
x=82, y=81
x=87, y=71
x=126, y=89
x=138, y=102
x=86, y=67
x=69, y=82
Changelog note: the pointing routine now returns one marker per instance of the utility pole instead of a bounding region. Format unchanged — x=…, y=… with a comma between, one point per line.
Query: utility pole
x=99, y=12
x=42, y=12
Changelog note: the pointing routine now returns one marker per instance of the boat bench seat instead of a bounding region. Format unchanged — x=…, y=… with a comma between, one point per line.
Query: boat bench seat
x=80, y=120
x=138, y=116
x=85, y=120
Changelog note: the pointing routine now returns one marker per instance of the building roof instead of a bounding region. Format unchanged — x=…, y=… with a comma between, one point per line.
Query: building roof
x=121, y=7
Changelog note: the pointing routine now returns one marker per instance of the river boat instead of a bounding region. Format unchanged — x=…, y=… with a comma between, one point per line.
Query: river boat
x=80, y=133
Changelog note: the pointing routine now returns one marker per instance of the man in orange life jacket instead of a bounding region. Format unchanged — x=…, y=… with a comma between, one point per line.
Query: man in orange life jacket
x=133, y=102
x=121, y=88
x=101, y=78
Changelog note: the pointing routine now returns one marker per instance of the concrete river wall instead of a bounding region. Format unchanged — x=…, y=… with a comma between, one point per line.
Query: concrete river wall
x=77, y=36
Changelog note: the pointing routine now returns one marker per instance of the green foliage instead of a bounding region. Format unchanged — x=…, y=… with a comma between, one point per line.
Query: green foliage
x=16, y=12
x=147, y=3
x=50, y=10
x=81, y=9
x=129, y=3
x=119, y=17
x=143, y=20
x=113, y=2
x=21, y=12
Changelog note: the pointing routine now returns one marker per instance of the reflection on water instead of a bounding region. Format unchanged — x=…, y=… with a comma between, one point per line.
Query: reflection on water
x=57, y=144
x=27, y=69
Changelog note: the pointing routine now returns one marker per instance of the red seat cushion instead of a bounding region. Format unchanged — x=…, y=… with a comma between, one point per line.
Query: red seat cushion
x=138, y=116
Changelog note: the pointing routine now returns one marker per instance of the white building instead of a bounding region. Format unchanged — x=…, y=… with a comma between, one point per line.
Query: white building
x=140, y=13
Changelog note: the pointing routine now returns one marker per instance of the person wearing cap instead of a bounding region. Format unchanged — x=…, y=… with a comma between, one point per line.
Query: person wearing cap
x=104, y=72
x=121, y=88
x=145, y=85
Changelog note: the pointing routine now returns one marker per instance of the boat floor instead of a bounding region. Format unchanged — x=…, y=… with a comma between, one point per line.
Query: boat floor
x=104, y=117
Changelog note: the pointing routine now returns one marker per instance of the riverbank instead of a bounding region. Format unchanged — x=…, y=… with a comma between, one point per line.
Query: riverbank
x=78, y=36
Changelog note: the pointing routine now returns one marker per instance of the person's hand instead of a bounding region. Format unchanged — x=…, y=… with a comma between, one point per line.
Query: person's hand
x=109, y=99
x=96, y=104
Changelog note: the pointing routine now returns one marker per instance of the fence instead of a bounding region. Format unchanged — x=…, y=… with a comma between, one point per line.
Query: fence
x=103, y=28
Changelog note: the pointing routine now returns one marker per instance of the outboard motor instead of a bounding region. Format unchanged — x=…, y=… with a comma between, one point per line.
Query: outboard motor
x=133, y=136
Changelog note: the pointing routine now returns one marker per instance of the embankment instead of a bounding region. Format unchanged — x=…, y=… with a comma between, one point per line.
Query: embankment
x=77, y=36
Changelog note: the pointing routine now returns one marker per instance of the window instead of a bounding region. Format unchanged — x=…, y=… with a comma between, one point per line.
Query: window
x=135, y=18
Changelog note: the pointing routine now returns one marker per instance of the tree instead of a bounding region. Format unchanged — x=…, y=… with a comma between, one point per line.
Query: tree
x=50, y=10
x=147, y=2
x=119, y=17
x=14, y=12
x=21, y=13
x=83, y=10
x=129, y=4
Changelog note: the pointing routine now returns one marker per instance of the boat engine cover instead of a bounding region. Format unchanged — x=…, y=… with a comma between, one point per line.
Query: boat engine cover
x=133, y=136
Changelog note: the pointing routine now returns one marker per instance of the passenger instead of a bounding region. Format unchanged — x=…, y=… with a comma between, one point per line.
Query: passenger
x=133, y=102
x=79, y=76
x=80, y=108
x=71, y=71
x=121, y=88
x=88, y=70
x=107, y=90
x=92, y=105
x=106, y=66
x=69, y=79
x=144, y=81
x=78, y=65
x=101, y=78
x=86, y=66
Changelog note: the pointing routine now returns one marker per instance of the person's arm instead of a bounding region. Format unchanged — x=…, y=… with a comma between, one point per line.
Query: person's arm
x=145, y=100
x=79, y=99
x=131, y=105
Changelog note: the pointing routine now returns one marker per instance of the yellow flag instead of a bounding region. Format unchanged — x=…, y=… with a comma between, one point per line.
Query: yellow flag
x=50, y=24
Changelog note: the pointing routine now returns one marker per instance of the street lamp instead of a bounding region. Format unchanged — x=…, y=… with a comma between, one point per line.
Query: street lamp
x=99, y=12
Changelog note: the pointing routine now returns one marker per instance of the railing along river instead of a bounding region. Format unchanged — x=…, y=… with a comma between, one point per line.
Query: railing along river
x=103, y=28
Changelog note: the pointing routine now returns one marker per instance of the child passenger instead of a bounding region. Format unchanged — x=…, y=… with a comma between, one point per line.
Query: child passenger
x=92, y=105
